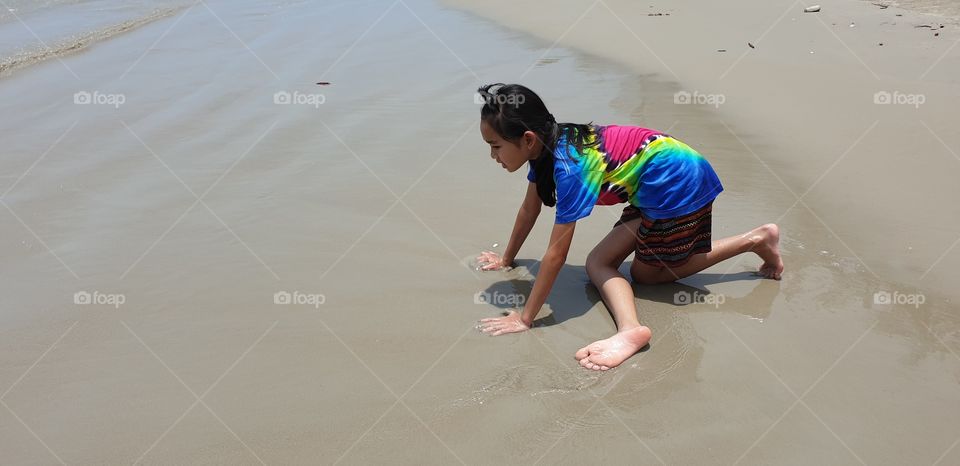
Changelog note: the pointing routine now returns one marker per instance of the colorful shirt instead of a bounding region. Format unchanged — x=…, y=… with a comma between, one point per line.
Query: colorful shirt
x=652, y=171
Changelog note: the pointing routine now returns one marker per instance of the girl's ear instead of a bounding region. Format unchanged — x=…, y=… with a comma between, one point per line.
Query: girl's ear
x=529, y=139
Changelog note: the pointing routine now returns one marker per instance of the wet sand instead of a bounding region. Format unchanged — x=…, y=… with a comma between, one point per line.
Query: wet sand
x=369, y=207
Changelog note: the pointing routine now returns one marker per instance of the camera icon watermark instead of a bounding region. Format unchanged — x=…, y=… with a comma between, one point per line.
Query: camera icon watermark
x=886, y=298
x=698, y=98
x=98, y=98
x=499, y=299
x=899, y=98
x=296, y=297
x=299, y=98
x=85, y=298
x=683, y=298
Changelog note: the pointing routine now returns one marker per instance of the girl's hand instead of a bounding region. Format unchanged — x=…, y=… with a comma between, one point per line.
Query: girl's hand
x=489, y=260
x=510, y=323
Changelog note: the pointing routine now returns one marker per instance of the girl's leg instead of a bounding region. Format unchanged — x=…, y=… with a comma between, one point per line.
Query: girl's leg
x=603, y=264
x=763, y=240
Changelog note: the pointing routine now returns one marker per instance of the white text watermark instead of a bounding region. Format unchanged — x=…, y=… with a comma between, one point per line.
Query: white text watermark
x=508, y=99
x=896, y=297
x=296, y=297
x=683, y=298
x=497, y=298
x=698, y=98
x=98, y=298
x=98, y=98
x=899, y=98
x=299, y=98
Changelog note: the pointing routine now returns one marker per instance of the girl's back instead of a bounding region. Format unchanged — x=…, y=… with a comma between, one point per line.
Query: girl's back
x=630, y=164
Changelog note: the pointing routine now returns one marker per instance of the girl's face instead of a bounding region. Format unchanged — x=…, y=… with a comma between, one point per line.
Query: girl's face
x=511, y=155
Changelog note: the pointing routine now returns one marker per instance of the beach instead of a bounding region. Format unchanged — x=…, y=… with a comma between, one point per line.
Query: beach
x=244, y=233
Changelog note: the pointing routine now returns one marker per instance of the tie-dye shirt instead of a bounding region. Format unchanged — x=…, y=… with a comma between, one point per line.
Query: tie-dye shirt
x=654, y=172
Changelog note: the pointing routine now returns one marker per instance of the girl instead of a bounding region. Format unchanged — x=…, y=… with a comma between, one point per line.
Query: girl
x=669, y=189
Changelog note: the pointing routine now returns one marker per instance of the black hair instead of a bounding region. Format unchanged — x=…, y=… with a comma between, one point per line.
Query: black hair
x=513, y=109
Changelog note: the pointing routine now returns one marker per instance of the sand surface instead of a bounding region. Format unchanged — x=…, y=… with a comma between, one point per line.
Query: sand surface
x=199, y=198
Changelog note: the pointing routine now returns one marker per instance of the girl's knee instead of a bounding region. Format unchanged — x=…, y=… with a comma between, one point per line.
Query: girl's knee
x=594, y=261
x=593, y=265
x=597, y=265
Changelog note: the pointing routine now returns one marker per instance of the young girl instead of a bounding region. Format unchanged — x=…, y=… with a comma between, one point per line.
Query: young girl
x=669, y=189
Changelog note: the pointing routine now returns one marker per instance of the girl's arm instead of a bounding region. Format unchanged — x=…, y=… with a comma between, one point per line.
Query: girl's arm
x=526, y=218
x=550, y=266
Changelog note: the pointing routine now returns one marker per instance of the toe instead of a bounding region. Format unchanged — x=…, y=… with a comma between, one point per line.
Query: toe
x=594, y=364
x=585, y=363
x=582, y=353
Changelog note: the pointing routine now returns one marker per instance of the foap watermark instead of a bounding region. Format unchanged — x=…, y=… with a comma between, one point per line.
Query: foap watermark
x=698, y=98
x=298, y=98
x=683, y=298
x=296, y=297
x=499, y=299
x=515, y=100
x=886, y=298
x=97, y=298
x=99, y=98
x=899, y=98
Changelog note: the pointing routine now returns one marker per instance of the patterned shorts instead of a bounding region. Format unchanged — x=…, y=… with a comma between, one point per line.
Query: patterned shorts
x=670, y=242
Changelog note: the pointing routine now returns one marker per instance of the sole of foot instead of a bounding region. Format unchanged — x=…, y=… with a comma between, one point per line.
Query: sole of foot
x=608, y=353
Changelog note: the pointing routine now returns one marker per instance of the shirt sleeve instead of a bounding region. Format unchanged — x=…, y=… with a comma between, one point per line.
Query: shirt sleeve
x=531, y=175
x=577, y=193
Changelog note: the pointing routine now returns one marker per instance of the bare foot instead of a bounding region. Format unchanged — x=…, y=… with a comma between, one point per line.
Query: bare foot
x=604, y=354
x=769, y=251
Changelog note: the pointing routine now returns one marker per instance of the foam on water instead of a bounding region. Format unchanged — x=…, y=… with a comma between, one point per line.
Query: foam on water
x=73, y=44
x=32, y=32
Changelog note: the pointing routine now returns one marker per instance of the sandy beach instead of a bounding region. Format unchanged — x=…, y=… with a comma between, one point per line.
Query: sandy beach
x=244, y=233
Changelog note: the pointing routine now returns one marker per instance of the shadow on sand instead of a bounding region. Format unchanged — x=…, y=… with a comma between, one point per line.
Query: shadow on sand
x=690, y=290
